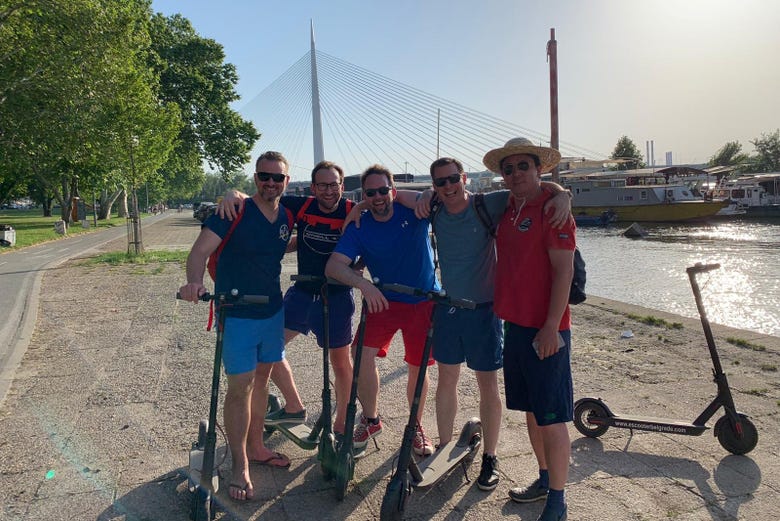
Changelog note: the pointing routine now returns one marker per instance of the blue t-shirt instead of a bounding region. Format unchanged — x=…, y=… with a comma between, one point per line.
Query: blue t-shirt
x=395, y=251
x=318, y=234
x=251, y=260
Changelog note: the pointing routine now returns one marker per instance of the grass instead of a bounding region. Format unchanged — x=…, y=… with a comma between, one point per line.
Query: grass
x=745, y=344
x=32, y=228
x=655, y=321
x=116, y=258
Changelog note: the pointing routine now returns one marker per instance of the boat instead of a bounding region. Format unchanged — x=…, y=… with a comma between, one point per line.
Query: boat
x=758, y=194
x=592, y=196
x=605, y=219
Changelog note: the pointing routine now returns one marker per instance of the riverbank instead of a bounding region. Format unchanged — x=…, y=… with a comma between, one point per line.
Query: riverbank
x=106, y=402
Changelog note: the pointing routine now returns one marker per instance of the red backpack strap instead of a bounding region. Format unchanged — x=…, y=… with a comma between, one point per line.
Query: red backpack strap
x=349, y=203
x=303, y=209
x=214, y=258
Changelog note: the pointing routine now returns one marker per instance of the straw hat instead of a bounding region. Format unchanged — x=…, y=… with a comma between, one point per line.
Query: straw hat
x=549, y=157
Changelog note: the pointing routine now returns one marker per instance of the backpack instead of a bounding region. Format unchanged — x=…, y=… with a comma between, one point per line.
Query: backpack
x=577, y=289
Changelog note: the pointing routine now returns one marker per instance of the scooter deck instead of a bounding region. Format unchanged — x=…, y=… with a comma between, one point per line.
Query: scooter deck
x=298, y=434
x=440, y=462
x=647, y=423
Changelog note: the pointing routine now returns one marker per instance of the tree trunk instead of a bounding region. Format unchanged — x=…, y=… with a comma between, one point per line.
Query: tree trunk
x=123, y=204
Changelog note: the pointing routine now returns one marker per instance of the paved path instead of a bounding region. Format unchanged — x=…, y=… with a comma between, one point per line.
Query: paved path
x=106, y=401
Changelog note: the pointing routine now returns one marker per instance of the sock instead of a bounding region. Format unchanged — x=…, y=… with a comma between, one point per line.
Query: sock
x=372, y=421
x=555, y=499
x=544, y=478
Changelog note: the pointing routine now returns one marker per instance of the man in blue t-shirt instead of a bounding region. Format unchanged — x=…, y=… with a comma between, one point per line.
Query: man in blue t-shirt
x=318, y=220
x=393, y=244
x=253, y=340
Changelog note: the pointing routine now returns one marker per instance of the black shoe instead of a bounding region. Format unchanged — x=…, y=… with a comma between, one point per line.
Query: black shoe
x=488, y=474
x=533, y=492
x=282, y=416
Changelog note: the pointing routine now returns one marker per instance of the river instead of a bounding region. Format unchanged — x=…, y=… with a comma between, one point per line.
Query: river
x=650, y=272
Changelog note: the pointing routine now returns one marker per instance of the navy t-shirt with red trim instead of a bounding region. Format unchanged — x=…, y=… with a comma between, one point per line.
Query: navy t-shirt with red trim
x=318, y=234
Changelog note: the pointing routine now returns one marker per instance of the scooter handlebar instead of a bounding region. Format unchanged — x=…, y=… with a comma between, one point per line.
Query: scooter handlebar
x=436, y=296
x=702, y=268
x=232, y=297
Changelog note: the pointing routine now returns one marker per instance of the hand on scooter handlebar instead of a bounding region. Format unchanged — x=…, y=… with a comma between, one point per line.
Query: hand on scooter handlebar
x=702, y=268
x=440, y=297
x=233, y=297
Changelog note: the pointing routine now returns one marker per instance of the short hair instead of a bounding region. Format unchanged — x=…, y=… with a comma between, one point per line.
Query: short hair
x=272, y=155
x=326, y=165
x=377, y=170
x=536, y=160
x=444, y=161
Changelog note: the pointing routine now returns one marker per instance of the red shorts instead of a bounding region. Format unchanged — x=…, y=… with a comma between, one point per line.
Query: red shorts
x=413, y=320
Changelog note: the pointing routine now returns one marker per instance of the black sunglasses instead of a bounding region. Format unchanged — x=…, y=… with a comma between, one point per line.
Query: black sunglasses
x=441, y=181
x=265, y=176
x=382, y=190
x=509, y=168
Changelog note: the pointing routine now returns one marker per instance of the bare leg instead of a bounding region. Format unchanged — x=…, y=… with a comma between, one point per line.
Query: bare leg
x=237, y=419
x=368, y=383
x=537, y=442
x=489, y=408
x=341, y=361
x=446, y=400
x=557, y=451
x=410, y=385
x=282, y=377
x=255, y=448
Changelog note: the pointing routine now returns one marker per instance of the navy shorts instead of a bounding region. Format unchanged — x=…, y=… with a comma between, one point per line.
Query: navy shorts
x=473, y=336
x=543, y=387
x=303, y=313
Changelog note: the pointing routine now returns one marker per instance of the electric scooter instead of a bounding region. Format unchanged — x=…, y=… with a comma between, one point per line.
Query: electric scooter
x=321, y=436
x=408, y=472
x=203, y=482
x=734, y=430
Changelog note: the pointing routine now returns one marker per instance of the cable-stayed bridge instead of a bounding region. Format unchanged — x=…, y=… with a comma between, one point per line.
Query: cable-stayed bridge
x=367, y=118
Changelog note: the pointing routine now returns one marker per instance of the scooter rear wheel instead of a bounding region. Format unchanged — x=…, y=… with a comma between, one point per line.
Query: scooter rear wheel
x=583, y=411
x=731, y=440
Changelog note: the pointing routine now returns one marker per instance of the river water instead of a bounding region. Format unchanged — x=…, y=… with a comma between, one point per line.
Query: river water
x=650, y=272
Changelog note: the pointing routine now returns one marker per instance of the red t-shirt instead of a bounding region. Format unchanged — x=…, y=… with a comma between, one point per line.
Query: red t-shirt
x=524, y=272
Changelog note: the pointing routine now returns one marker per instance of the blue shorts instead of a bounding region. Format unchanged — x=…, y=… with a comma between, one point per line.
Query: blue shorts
x=473, y=336
x=303, y=313
x=543, y=387
x=251, y=341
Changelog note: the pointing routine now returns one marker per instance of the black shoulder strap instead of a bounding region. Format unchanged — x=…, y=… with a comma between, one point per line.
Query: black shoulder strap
x=482, y=213
x=436, y=205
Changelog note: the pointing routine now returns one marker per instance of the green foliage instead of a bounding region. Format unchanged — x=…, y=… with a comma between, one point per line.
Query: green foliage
x=729, y=154
x=215, y=186
x=739, y=342
x=767, y=157
x=655, y=321
x=626, y=149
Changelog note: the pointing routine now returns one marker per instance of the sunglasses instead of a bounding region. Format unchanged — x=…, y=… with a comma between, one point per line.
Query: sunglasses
x=325, y=186
x=441, y=181
x=509, y=168
x=265, y=176
x=382, y=190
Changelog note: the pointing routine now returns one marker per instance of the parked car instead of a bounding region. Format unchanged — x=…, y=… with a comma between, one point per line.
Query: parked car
x=203, y=210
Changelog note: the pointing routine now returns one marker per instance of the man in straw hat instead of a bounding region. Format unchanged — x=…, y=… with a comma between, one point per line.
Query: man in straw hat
x=533, y=277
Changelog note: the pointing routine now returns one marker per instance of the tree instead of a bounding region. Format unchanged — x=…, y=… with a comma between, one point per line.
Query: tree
x=193, y=75
x=627, y=150
x=728, y=155
x=767, y=157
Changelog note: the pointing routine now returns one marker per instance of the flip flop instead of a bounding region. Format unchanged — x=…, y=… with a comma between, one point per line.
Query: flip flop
x=277, y=459
x=245, y=488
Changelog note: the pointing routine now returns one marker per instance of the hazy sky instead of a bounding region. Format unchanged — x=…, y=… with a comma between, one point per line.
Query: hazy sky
x=688, y=74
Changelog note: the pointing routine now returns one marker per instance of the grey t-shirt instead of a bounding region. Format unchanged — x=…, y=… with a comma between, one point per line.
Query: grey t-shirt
x=467, y=252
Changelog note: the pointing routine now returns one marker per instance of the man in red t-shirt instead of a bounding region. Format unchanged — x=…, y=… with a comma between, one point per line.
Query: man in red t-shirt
x=533, y=277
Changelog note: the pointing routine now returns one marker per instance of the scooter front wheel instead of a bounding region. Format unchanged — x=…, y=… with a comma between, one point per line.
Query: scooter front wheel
x=584, y=411
x=345, y=467
x=731, y=440
x=202, y=505
x=327, y=456
x=396, y=495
